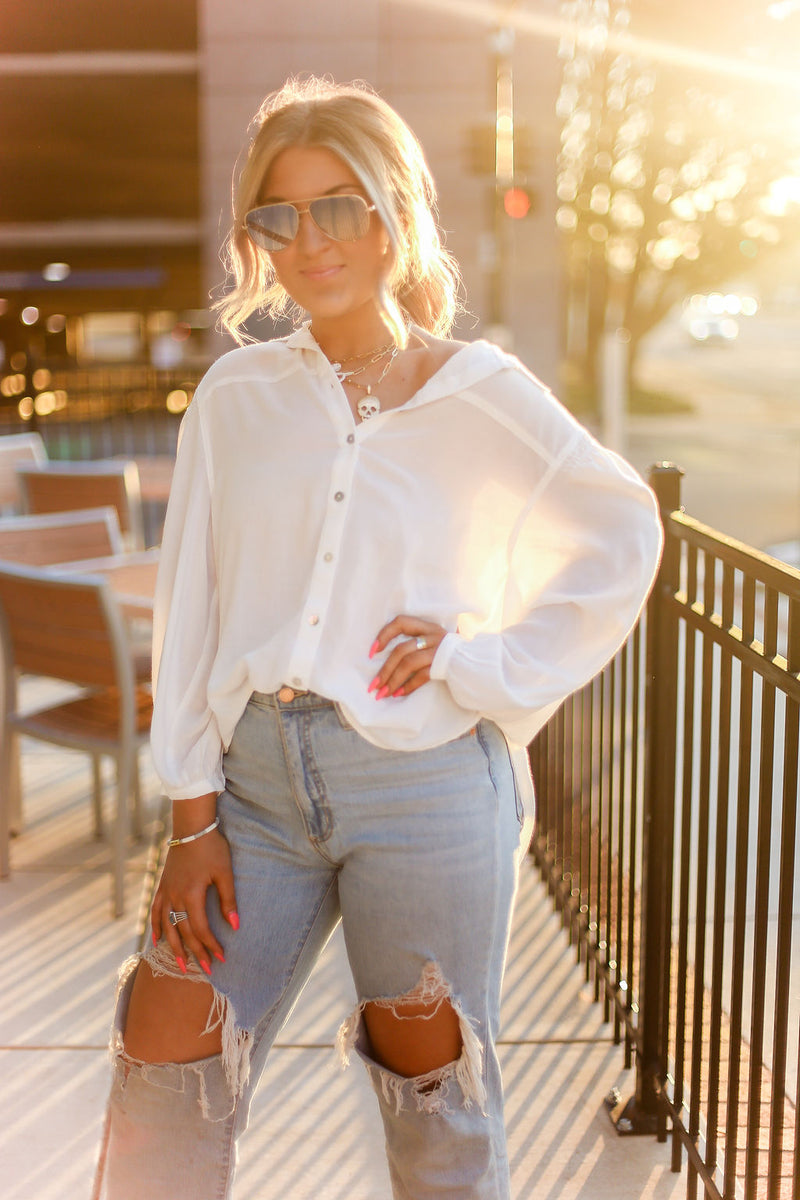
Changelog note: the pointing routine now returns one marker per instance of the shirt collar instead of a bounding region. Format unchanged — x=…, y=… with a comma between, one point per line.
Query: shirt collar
x=472, y=363
x=302, y=338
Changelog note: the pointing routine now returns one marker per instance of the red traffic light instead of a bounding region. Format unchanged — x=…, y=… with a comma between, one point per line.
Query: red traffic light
x=516, y=202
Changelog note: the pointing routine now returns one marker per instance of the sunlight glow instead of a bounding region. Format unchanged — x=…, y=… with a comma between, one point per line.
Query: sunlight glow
x=783, y=9
x=691, y=57
x=782, y=193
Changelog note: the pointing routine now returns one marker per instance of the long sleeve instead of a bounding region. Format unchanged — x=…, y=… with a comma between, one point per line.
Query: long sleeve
x=580, y=571
x=186, y=742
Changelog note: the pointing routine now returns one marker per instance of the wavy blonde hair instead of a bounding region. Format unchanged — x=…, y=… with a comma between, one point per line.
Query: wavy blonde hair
x=351, y=120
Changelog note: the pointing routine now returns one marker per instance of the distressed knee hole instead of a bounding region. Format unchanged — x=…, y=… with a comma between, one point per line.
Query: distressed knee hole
x=421, y=1048
x=232, y=1062
x=411, y=1038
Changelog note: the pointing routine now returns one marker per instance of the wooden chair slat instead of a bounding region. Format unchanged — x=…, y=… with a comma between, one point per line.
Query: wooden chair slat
x=45, y=539
x=58, y=487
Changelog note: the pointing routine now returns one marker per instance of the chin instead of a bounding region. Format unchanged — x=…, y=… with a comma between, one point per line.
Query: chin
x=335, y=309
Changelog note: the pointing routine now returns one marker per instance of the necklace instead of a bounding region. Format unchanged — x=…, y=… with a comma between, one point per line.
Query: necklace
x=370, y=354
x=370, y=406
x=374, y=357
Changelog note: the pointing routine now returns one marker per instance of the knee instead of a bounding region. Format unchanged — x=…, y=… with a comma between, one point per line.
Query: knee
x=422, y=1036
x=412, y=1038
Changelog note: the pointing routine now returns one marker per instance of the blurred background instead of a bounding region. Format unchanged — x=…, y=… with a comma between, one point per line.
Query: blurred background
x=620, y=180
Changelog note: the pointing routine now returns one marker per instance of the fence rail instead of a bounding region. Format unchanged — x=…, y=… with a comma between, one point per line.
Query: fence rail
x=667, y=833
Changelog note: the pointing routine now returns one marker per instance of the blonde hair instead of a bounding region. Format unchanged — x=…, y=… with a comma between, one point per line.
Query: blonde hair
x=351, y=120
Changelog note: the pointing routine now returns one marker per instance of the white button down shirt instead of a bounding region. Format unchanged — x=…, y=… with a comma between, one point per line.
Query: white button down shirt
x=293, y=535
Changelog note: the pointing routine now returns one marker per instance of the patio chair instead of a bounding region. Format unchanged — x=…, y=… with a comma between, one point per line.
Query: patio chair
x=70, y=629
x=39, y=540
x=17, y=449
x=54, y=538
x=58, y=487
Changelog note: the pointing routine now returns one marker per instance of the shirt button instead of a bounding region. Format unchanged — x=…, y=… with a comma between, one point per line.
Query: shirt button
x=339, y=496
x=351, y=437
x=329, y=557
x=313, y=619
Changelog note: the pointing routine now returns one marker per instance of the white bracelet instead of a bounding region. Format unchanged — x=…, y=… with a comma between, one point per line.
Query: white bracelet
x=192, y=837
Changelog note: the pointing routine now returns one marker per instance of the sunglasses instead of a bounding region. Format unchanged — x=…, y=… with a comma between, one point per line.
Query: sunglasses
x=343, y=218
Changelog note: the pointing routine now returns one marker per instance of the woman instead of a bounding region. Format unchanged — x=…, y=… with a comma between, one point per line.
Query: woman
x=388, y=557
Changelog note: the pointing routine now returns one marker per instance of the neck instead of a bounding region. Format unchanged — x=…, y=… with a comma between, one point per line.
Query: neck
x=346, y=342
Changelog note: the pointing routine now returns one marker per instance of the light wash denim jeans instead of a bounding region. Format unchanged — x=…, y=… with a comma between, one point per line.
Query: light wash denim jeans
x=417, y=853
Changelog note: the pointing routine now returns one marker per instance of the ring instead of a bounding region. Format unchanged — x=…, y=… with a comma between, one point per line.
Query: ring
x=175, y=917
x=422, y=643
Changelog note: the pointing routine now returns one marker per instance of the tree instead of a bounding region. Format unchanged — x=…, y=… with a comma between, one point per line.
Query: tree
x=680, y=161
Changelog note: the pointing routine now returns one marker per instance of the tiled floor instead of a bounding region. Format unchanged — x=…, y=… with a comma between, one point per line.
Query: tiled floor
x=315, y=1132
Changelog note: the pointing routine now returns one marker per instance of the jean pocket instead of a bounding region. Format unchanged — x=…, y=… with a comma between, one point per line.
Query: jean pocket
x=501, y=768
x=343, y=721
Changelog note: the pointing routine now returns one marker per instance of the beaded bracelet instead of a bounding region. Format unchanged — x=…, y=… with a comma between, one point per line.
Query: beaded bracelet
x=192, y=837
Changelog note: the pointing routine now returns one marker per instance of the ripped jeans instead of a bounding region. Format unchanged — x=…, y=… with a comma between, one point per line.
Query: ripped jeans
x=417, y=853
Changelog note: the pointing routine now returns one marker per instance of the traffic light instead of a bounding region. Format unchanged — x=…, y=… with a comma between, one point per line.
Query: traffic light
x=517, y=202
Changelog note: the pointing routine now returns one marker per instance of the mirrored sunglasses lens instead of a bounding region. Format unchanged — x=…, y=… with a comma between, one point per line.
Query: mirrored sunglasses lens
x=344, y=218
x=273, y=226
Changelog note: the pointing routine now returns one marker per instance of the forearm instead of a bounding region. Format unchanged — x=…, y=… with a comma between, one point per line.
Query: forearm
x=190, y=816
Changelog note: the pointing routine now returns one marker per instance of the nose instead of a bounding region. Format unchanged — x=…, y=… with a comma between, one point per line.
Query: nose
x=309, y=235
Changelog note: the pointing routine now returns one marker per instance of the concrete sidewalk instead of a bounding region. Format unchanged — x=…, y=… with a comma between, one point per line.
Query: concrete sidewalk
x=315, y=1133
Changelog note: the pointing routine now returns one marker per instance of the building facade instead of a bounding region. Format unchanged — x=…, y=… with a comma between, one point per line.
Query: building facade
x=124, y=122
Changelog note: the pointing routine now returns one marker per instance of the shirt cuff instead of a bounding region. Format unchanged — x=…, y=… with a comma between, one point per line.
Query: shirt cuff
x=444, y=652
x=192, y=791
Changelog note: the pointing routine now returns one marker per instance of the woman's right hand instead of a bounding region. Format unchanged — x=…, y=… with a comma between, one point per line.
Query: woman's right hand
x=189, y=871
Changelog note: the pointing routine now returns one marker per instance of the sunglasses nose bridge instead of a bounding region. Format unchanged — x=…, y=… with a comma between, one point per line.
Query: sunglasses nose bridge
x=308, y=229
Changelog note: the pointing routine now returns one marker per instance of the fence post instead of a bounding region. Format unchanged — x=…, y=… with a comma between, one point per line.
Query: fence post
x=643, y=1112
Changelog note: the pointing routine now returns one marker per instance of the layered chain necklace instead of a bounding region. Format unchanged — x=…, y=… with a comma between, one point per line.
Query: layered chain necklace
x=370, y=405
x=371, y=356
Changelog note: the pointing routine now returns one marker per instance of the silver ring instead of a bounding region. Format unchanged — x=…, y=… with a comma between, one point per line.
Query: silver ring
x=422, y=643
x=175, y=917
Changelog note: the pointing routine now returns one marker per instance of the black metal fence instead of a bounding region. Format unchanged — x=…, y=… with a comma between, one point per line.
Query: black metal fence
x=667, y=833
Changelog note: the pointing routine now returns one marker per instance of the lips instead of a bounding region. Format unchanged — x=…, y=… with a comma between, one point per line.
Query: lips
x=319, y=274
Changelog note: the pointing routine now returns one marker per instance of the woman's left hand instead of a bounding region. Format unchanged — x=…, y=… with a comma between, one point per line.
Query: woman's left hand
x=408, y=666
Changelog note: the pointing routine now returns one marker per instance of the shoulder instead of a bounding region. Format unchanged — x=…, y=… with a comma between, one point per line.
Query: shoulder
x=510, y=394
x=438, y=349
x=260, y=360
x=481, y=360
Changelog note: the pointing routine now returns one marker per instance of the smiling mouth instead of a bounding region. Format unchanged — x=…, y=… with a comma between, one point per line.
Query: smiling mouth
x=321, y=272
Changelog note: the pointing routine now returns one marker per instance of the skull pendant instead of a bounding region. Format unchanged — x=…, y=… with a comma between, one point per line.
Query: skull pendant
x=370, y=406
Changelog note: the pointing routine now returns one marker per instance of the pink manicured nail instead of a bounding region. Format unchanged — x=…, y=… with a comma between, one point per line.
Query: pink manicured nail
x=399, y=692
x=233, y=919
x=221, y=957
x=374, y=684
x=382, y=693
x=181, y=963
x=374, y=648
x=153, y=936
x=206, y=966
